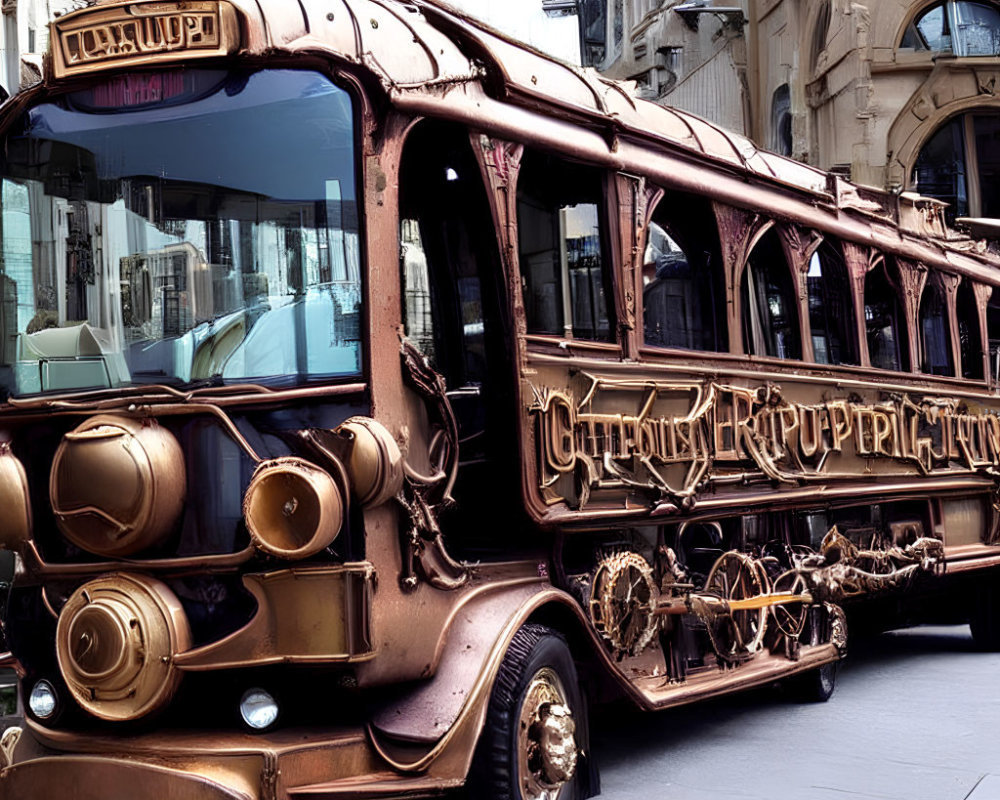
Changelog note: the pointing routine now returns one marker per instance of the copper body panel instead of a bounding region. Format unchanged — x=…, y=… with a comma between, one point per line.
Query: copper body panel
x=608, y=435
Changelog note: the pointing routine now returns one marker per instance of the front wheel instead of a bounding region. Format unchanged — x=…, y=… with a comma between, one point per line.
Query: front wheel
x=533, y=743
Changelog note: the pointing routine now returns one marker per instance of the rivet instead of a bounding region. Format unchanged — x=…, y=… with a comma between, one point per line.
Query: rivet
x=374, y=23
x=330, y=17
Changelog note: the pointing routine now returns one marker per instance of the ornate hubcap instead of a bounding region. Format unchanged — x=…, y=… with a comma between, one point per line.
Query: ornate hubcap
x=547, y=750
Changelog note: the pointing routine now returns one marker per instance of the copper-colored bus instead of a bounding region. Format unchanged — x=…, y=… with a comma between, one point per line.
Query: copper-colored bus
x=378, y=393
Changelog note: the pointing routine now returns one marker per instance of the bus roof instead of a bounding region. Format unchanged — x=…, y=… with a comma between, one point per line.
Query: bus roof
x=425, y=47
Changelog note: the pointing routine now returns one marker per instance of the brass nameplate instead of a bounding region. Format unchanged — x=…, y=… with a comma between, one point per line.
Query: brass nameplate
x=141, y=33
x=670, y=438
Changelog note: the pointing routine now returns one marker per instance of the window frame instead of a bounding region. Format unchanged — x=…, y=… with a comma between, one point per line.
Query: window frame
x=713, y=248
x=850, y=330
x=748, y=335
x=608, y=224
x=974, y=195
x=886, y=262
x=935, y=289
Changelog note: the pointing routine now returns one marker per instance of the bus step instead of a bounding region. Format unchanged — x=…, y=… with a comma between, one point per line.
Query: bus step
x=377, y=786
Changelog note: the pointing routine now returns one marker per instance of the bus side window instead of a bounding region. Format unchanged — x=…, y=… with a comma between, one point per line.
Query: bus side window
x=770, y=305
x=970, y=339
x=884, y=321
x=993, y=334
x=453, y=287
x=935, y=332
x=562, y=238
x=831, y=310
x=683, y=292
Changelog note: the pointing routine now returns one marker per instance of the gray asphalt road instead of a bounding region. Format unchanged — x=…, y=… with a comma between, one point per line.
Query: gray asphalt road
x=916, y=716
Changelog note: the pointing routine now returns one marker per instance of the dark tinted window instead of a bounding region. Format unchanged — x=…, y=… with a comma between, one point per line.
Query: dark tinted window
x=960, y=164
x=831, y=312
x=993, y=333
x=683, y=287
x=940, y=168
x=970, y=339
x=560, y=219
x=885, y=322
x=770, y=315
x=935, y=335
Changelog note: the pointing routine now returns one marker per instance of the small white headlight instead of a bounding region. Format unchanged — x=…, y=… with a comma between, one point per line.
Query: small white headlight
x=42, y=701
x=258, y=709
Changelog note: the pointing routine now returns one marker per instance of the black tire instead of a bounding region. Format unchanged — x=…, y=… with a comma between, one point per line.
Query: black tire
x=495, y=773
x=816, y=685
x=984, y=622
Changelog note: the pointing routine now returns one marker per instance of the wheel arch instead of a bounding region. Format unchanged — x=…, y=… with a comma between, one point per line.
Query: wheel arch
x=424, y=745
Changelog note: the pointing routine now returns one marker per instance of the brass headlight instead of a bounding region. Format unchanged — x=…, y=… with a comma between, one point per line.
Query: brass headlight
x=115, y=642
x=292, y=508
x=117, y=485
x=375, y=464
x=15, y=521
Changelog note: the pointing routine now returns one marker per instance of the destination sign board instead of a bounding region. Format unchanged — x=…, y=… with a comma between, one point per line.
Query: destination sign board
x=141, y=33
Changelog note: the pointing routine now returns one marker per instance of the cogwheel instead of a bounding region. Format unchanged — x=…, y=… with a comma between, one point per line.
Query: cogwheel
x=622, y=596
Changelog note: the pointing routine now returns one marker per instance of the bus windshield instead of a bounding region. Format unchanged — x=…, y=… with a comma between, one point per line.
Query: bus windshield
x=181, y=227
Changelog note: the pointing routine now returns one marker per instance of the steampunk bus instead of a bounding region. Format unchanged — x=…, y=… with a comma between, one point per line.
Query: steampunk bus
x=376, y=391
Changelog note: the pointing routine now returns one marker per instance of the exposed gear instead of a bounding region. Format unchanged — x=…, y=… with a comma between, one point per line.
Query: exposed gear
x=622, y=597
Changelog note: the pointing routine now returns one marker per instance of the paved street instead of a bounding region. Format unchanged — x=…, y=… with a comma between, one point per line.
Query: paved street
x=916, y=716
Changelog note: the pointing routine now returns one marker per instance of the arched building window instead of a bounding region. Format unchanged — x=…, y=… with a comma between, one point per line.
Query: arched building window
x=781, y=121
x=831, y=312
x=935, y=333
x=683, y=295
x=956, y=26
x=885, y=323
x=970, y=340
x=820, y=33
x=960, y=164
x=770, y=308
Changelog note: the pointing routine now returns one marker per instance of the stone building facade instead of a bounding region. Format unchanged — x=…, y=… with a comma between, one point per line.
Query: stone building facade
x=903, y=94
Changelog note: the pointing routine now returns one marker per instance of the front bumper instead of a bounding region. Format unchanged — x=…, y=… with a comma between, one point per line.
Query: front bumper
x=204, y=766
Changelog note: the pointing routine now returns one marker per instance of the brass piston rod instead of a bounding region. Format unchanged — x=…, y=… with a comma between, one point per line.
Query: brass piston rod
x=718, y=606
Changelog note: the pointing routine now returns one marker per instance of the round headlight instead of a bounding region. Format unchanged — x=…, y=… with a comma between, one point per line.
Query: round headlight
x=375, y=463
x=43, y=700
x=258, y=709
x=293, y=509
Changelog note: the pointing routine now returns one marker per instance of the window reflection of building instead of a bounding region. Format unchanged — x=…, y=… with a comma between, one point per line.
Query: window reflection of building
x=970, y=342
x=885, y=322
x=770, y=316
x=683, y=286
x=958, y=27
x=960, y=164
x=561, y=251
x=831, y=316
x=935, y=339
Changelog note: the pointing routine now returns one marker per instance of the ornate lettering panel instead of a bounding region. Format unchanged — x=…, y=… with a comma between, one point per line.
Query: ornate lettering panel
x=668, y=440
x=99, y=38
